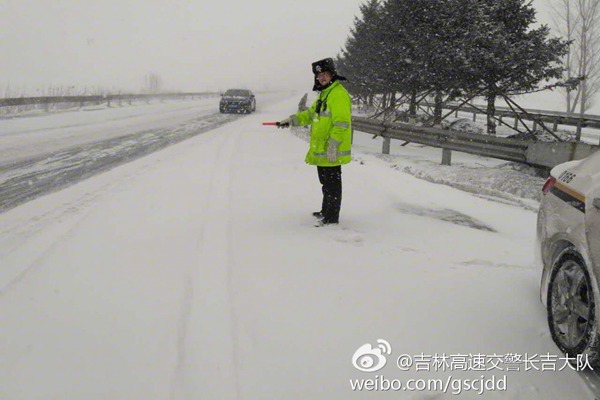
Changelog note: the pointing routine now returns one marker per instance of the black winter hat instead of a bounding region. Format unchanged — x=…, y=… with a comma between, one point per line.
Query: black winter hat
x=325, y=64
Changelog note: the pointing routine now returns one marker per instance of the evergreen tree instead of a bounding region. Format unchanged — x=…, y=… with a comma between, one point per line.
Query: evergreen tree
x=400, y=48
x=449, y=48
x=506, y=56
x=438, y=29
x=360, y=61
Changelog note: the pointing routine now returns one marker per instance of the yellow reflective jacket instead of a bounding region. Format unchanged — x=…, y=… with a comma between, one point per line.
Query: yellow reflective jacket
x=330, y=117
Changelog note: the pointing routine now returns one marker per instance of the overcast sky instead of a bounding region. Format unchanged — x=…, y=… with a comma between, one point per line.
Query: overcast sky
x=193, y=45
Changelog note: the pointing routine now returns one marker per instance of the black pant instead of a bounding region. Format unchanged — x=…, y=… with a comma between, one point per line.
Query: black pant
x=331, y=180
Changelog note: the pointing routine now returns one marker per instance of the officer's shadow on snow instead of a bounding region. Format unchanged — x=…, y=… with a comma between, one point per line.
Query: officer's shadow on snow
x=446, y=215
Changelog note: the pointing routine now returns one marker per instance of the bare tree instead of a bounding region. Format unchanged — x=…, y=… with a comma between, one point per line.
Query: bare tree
x=578, y=21
x=152, y=83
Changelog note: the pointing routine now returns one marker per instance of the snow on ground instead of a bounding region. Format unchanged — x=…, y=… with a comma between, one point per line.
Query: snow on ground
x=196, y=272
x=494, y=179
x=26, y=137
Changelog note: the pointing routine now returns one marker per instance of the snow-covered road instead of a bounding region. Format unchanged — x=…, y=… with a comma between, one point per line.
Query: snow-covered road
x=25, y=180
x=33, y=135
x=196, y=272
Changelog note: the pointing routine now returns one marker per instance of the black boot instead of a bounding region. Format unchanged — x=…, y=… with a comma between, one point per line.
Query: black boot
x=325, y=222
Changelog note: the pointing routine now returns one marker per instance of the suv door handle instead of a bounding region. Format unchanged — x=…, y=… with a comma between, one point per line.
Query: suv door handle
x=596, y=202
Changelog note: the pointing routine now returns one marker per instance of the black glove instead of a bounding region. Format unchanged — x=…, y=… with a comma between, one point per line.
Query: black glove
x=284, y=123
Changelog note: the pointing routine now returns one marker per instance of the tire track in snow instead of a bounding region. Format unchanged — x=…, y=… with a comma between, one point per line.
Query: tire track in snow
x=9, y=280
x=71, y=166
x=178, y=379
x=208, y=341
x=234, y=320
x=69, y=218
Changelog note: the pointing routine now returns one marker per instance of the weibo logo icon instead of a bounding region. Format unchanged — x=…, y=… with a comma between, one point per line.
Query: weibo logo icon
x=370, y=359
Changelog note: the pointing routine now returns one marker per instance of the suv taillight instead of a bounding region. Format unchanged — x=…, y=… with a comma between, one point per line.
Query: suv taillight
x=548, y=185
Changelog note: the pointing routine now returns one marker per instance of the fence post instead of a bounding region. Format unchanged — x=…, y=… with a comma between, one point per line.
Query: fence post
x=386, y=145
x=474, y=116
x=446, y=156
x=555, y=125
x=579, y=126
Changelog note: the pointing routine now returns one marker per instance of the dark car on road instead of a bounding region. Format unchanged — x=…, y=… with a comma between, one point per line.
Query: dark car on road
x=237, y=101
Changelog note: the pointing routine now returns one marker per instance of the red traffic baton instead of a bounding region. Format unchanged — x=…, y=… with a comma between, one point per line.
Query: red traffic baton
x=270, y=123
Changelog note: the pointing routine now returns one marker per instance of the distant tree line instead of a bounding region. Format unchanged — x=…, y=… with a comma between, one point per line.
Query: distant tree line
x=402, y=52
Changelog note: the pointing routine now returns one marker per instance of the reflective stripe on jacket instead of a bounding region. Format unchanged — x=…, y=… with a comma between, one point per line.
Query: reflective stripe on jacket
x=334, y=121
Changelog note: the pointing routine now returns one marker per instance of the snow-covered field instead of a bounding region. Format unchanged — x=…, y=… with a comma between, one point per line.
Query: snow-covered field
x=196, y=272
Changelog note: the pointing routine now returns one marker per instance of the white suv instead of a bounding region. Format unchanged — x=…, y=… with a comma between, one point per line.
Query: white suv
x=568, y=232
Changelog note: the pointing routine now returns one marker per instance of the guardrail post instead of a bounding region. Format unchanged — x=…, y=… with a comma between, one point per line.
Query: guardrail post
x=474, y=116
x=446, y=157
x=555, y=125
x=516, y=125
x=535, y=124
x=578, y=132
x=386, y=145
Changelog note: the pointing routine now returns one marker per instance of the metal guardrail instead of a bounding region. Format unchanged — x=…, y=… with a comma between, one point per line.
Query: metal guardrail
x=538, y=154
x=551, y=117
x=21, y=101
x=24, y=101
